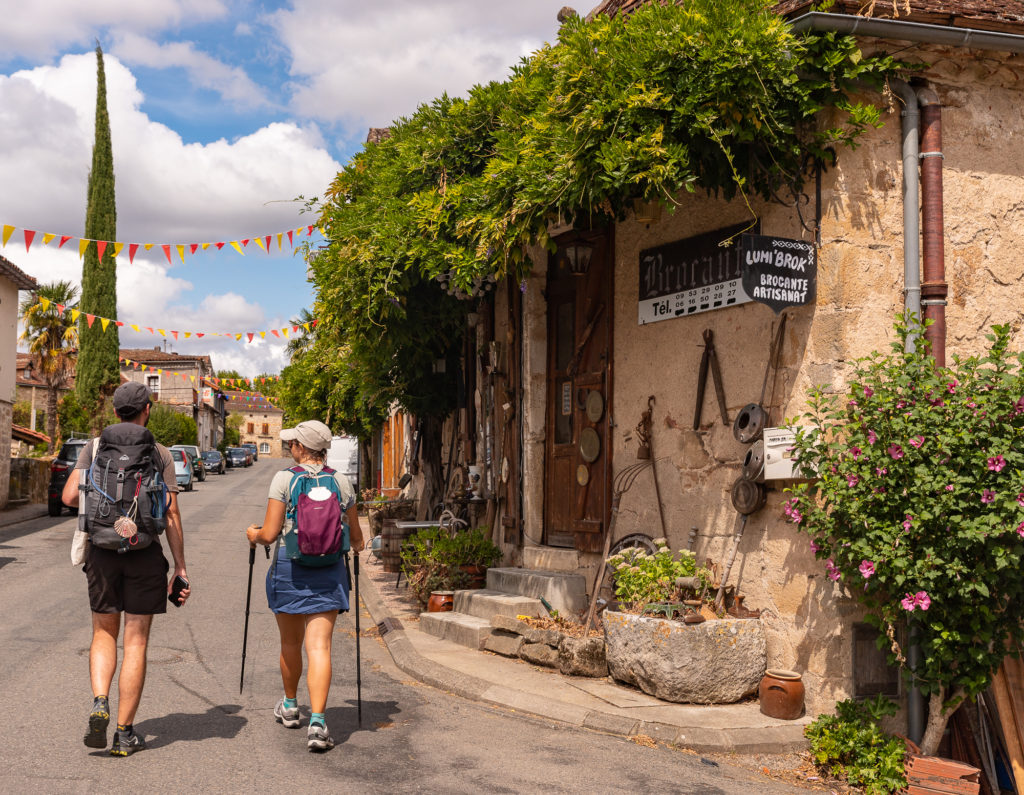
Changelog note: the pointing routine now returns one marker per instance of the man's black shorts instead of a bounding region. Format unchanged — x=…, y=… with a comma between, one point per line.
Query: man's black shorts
x=130, y=582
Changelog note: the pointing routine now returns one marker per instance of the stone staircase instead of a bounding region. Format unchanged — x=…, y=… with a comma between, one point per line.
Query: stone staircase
x=509, y=592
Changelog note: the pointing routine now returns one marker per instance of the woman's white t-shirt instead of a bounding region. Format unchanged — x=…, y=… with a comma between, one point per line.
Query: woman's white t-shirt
x=280, y=487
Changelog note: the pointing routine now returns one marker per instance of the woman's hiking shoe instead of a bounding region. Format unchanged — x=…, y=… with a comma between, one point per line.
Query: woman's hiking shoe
x=126, y=743
x=317, y=738
x=287, y=716
x=99, y=719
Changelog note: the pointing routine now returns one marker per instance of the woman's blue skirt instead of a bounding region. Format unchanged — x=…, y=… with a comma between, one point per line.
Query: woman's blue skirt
x=298, y=589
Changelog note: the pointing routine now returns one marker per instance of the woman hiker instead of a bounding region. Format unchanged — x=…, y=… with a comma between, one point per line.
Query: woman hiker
x=305, y=599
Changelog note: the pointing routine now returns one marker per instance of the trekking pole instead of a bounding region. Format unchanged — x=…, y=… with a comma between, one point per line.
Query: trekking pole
x=245, y=632
x=359, y=681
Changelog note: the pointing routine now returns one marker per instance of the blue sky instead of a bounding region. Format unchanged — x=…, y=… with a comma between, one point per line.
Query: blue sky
x=222, y=112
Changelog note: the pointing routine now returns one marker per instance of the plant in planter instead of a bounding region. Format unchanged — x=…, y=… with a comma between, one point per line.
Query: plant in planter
x=435, y=559
x=642, y=578
x=918, y=509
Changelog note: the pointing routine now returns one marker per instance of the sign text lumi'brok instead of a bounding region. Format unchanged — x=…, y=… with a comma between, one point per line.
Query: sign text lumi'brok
x=779, y=272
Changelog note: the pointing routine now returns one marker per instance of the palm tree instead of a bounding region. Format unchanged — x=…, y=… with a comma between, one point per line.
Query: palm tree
x=52, y=340
x=303, y=340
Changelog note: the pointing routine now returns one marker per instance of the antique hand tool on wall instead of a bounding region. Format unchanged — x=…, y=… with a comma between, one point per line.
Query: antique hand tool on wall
x=709, y=359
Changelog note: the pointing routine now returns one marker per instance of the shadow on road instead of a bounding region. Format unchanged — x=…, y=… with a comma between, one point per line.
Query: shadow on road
x=344, y=721
x=29, y=526
x=220, y=721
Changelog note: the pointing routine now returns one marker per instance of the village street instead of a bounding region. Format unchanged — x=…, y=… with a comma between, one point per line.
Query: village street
x=204, y=737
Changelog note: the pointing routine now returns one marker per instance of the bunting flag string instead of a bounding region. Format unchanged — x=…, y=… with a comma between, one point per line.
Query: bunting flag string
x=180, y=249
x=248, y=336
x=220, y=384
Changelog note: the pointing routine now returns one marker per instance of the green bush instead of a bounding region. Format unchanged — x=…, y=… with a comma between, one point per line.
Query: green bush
x=432, y=558
x=852, y=745
x=642, y=578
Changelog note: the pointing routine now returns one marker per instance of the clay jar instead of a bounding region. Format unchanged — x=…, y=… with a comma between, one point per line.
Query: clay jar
x=441, y=602
x=781, y=694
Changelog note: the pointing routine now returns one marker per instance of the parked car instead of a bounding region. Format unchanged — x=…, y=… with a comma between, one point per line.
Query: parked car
x=60, y=469
x=198, y=467
x=214, y=462
x=237, y=457
x=251, y=447
x=183, y=471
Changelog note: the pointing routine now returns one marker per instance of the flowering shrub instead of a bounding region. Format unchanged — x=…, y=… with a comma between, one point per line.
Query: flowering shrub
x=918, y=506
x=642, y=578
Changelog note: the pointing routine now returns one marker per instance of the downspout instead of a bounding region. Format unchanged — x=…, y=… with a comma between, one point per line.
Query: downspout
x=934, y=289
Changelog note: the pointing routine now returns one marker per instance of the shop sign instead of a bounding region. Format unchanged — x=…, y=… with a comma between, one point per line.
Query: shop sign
x=690, y=276
x=779, y=272
x=208, y=395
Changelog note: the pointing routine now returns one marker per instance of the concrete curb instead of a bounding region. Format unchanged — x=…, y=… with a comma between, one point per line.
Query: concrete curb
x=775, y=739
x=24, y=513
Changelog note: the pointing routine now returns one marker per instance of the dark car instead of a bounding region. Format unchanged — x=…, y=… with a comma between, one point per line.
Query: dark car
x=237, y=457
x=251, y=447
x=214, y=461
x=60, y=469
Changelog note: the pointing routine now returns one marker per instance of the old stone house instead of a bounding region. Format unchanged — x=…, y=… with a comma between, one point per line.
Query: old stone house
x=570, y=364
x=30, y=388
x=261, y=422
x=179, y=381
x=12, y=279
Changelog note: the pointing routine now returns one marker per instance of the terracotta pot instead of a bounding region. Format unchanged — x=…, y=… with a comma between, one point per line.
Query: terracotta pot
x=781, y=694
x=477, y=575
x=441, y=602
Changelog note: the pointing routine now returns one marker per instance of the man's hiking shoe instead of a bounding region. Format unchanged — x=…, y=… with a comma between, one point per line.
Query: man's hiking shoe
x=288, y=716
x=99, y=719
x=126, y=743
x=317, y=738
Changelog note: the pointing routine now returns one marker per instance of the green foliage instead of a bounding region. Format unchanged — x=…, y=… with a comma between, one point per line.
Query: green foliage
x=852, y=745
x=21, y=414
x=919, y=503
x=432, y=558
x=721, y=97
x=226, y=374
x=99, y=371
x=232, y=432
x=642, y=578
x=171, y=427
x=71, y=417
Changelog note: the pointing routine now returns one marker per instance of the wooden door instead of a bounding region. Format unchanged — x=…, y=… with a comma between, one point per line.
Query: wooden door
x=577, y=490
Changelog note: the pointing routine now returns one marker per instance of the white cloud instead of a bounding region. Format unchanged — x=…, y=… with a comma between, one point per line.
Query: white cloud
x=41, y=28
x=366, y=64
x=204, y=71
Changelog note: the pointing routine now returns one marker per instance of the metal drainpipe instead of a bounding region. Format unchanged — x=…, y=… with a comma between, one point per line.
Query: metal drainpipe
x=934, y=289
x=911, y=303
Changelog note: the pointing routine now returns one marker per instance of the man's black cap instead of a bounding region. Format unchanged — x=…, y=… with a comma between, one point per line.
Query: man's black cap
x=131, y=398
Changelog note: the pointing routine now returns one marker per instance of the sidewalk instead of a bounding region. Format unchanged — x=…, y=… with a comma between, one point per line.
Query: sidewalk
x=22, y=513
x=598, y=704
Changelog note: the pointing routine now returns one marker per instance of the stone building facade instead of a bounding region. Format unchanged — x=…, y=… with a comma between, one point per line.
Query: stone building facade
x=261, y=423
x=567, y=336
x=12, y=279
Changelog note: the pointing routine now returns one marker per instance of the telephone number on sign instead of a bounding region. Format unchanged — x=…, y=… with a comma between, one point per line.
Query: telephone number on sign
x=690, y=302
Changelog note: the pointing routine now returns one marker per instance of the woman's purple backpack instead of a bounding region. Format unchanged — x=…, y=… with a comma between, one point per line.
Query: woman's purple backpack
x=320, y=532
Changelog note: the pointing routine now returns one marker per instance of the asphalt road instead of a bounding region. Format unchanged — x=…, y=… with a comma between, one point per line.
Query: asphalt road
x=205, y=737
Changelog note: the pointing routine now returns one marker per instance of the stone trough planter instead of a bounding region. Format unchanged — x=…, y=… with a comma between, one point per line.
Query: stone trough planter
x=717, y=662
x=550, y=648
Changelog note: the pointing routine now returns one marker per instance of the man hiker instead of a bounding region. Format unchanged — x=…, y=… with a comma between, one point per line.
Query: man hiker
x=126, y=507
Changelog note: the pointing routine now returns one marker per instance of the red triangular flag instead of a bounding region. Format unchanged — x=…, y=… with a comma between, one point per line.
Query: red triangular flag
x=274, y=332
x=295, y=329
x=63, y=239
x=290, y=243
x=174, y=334
x=193, y=247
x=29, y=235
x=131, y=252
x=309, y=231
x=167, y=253
x=219, y=246
x=90, y=319
x=267, y=241
x=60, y=308
x=119, y=323
x=149, y=329
x=200, y=333
x=250, y=335
x=312, y=323
x=245, y=242
x=101, y=246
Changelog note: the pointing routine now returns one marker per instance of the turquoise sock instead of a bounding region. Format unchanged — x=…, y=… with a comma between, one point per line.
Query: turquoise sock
x=290, y=703
x=318, y=717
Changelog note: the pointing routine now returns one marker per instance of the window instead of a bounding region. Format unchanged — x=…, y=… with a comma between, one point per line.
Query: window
x=153, y=382
x=249, y=427
x=265, y=449
x=266, y=428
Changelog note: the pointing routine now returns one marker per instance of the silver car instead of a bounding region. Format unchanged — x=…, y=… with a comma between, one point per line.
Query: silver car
x=182, y=469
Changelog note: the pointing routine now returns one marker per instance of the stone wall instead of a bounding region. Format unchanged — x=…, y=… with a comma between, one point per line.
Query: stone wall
x=29, y=480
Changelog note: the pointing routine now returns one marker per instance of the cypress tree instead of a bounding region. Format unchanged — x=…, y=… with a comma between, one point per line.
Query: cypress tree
x=98, y=370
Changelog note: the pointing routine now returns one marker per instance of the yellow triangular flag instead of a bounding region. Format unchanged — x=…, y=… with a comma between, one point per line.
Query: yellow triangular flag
x=181, y=253
x=117, y=249
x=188, y=334
x=238, y=336
x=148, y=246
x=145, y=367
x=236, y=247
x=259, y=242
x=83, y=244
x=306, y=326
x=8, y=231
x=205, y=246
x=193, y=378
x=284, y=331
x=75, y=315
x=47, y=237
x=44, y=303
x=263, y=335
x=279, y=236
x=161, y=332
x=134, y=327
x=104, y=321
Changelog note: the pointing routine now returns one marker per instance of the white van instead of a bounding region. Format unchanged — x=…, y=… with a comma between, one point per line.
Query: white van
x=343, y=455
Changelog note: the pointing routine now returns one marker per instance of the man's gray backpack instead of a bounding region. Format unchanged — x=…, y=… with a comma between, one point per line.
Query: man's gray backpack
x=122, y=497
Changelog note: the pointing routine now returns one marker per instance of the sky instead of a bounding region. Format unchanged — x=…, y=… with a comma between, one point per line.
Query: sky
x=222, y=113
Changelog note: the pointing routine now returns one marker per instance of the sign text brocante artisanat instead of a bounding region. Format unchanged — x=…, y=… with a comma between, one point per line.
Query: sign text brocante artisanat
x=779, y=272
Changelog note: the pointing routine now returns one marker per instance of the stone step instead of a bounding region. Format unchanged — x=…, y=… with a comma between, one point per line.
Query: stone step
x=566, y=593
x=466, y=630
x=486, y=604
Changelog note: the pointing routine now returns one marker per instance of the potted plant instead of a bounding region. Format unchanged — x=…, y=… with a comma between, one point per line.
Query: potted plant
x=477, y=553
x=437, y=559
x=716, y=661
x=918, y=507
